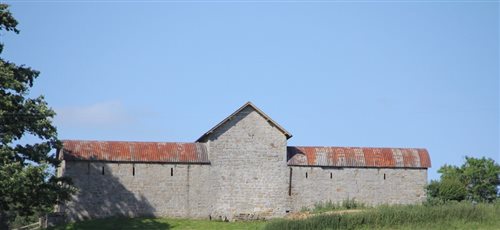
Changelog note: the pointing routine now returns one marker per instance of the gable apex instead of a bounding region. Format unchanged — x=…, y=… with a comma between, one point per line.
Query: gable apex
x=248, y=104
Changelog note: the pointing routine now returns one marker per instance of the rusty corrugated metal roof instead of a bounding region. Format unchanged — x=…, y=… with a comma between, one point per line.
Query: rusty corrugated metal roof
x=123, y=151
x=358, y=157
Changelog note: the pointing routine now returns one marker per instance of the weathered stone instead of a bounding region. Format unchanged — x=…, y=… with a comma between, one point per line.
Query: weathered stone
x=247, y=178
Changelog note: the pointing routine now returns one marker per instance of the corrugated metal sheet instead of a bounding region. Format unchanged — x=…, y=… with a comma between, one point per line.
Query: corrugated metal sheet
x=121, y=151
x=358, y=157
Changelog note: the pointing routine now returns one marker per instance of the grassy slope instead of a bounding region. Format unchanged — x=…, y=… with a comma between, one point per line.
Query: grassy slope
x=450, y=216
x=159, y=223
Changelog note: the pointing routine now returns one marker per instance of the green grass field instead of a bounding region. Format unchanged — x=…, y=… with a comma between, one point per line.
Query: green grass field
x=450, y=216
x=158, y=223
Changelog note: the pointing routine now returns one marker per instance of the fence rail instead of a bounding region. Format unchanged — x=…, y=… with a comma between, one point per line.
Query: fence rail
x=45, y=221
x=33, y=226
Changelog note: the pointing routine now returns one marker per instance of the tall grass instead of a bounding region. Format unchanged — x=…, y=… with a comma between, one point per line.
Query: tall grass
x=346, y=204
x=396, y=217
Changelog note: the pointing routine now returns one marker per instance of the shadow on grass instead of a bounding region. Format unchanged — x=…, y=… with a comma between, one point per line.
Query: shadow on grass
x=117, y=223
x=159, y=223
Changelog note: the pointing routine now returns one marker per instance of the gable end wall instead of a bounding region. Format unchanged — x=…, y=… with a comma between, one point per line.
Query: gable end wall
x=249, y=172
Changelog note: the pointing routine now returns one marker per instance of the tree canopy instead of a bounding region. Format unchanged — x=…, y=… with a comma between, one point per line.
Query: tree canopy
x=475, y=180
x=27, y=185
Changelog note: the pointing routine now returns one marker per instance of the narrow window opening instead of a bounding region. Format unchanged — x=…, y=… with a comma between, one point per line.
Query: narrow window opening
x=331, y=175
x=384, y=176
x=306, y=174
x=290, y=184
x=102, y=172
x=133, y=170
x=171, y=171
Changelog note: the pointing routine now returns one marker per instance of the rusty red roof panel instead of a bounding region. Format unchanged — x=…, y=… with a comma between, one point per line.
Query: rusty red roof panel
x=358, y=157
x=123, y=151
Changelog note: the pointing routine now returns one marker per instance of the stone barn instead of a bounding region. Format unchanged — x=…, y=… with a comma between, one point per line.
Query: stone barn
x=240, y=169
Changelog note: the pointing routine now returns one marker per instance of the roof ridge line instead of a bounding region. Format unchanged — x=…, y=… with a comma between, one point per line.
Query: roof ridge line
x=352, y=147
x=228, y=118
x=102, y=141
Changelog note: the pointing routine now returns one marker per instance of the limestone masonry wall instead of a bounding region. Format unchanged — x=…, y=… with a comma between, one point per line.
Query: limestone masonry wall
x=247, y=178
x=138, y=190
x=248, y=160
x=366, y=185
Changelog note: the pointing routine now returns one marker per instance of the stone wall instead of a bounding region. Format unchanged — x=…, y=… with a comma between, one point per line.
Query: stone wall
x=240, y=190
x=249, y=172
x=370, y=186
x=109, y=189
x=247, y=178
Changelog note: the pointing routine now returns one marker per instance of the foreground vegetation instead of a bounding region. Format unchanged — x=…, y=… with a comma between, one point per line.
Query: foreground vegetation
x=27, y=183
x=159, y=223
x=449, y=216
x=323, y=207
x=455, y=215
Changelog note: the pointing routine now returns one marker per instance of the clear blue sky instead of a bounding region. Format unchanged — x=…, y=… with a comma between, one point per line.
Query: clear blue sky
x=380, y=74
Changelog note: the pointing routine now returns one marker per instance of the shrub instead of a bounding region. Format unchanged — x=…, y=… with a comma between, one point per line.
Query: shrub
x=320, y=207
x=452, y=189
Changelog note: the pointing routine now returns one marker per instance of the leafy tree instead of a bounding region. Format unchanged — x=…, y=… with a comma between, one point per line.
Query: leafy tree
x=433, y=190
x=476, y=180
x=452, y=189
x=450, y=172
x=482, y=178
x=26, y=183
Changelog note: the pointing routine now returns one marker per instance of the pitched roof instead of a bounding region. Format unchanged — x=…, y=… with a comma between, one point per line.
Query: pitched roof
x=124, y=151
x=248, y=104
x=358, y=157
